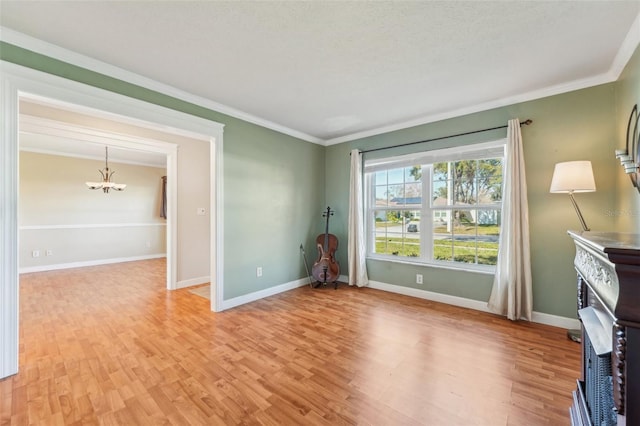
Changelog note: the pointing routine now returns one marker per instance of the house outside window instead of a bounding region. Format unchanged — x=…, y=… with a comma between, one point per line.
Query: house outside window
x=440, y=207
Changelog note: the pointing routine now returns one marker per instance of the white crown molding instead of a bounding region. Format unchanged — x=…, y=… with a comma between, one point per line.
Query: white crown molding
x=626, y=50
x=53, y=51
x=89, y=157
x=33, y=125
x=47, y=126
x=497, y=103
x=68, y=131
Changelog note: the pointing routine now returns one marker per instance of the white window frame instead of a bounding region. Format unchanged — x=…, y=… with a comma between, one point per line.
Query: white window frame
x=493, y=149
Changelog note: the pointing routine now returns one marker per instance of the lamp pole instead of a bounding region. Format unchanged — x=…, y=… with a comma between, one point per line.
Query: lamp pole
x=578, y=212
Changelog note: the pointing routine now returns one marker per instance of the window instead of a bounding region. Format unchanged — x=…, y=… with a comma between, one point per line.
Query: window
x=439, y=206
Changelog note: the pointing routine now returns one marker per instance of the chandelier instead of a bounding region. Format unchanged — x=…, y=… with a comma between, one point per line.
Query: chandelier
x=106, y=183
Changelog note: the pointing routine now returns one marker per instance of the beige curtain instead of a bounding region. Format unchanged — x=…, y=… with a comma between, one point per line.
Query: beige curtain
x=163, y=207
x=356, y=250
x=511, y=294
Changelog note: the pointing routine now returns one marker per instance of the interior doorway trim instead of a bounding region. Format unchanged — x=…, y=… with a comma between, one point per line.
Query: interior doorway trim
x=17, y=81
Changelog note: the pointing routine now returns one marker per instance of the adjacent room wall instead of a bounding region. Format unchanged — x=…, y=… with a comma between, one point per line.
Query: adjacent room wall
x=68, y=224
x=193, y=260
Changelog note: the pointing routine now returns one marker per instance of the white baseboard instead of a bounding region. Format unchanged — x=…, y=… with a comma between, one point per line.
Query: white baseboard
x=193, y=281
x=555, y=320
x=257, y=295
x=538, y=317
x=88, y=263
x=430, y=295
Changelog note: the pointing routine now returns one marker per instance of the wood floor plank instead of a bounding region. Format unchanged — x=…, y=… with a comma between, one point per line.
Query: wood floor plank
x=109, y=345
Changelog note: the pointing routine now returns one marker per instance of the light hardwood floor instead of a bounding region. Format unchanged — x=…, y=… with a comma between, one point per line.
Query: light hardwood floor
x=109, y=345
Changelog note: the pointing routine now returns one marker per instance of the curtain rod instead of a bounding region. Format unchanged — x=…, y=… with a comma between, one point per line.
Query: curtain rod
x=526, y=122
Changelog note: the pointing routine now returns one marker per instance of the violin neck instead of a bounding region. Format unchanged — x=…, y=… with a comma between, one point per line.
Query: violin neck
x=326, y=229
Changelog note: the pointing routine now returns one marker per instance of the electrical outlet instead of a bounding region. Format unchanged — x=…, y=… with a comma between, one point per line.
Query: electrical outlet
x=35, y=253
x=418, y=278
x=148, y=244
x=259, y=271
x=49, y=253
x=201, y=211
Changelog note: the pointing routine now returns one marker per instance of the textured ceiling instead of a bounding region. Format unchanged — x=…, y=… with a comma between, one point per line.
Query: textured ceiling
x=330, y=71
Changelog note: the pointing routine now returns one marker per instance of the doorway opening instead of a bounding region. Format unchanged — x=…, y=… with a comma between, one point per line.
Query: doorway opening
x=79, y=229
x=18, y=83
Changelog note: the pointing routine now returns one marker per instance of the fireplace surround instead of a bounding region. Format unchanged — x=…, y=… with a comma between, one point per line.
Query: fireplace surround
x=608, y=270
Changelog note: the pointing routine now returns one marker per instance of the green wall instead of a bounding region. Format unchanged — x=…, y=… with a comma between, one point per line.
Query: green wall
x=274, y=198
x=627, y=211
x=273, y=184
x=276, y=186
x=575, y=126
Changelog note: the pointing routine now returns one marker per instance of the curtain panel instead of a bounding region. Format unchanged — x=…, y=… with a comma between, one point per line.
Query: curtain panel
x=511, y=294
x=356, y=248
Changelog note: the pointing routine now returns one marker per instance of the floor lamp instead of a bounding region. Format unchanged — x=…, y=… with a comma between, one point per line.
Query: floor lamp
x=568, y=178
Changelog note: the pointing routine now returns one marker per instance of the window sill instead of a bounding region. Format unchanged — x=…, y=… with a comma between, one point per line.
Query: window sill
x=464, y=267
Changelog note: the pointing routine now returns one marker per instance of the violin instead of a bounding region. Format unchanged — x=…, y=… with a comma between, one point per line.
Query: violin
x=326, y=268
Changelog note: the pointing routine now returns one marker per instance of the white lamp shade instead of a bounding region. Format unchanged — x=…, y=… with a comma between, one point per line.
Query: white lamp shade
x=573, y=176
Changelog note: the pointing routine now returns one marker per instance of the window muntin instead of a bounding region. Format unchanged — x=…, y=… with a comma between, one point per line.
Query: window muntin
x=456, y=222
x=397, y=233
x=398, y=198
x=466, y=236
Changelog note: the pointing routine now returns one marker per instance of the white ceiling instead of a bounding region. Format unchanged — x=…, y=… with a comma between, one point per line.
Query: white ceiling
x=334, y=71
